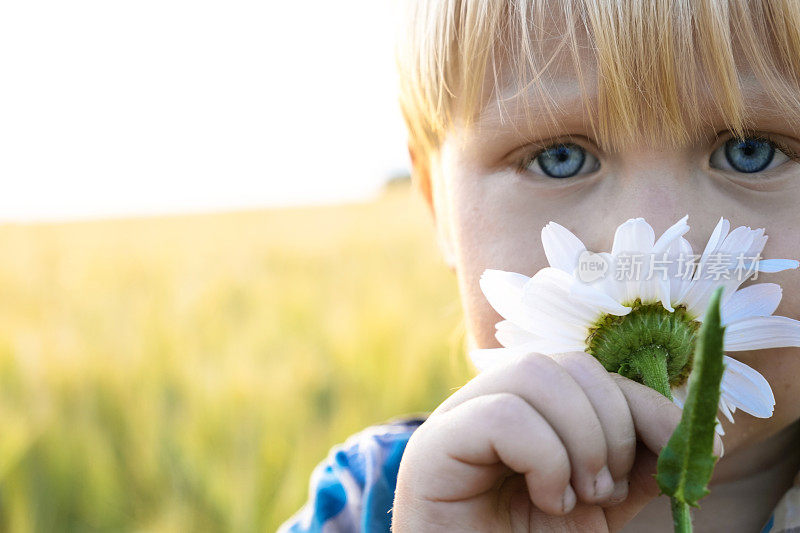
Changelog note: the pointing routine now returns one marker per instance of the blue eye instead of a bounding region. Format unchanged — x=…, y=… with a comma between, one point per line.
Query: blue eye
x=747, y=155
x=563, y=160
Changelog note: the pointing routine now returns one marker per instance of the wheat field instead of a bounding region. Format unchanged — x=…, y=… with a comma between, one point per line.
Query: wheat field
x=186, y=373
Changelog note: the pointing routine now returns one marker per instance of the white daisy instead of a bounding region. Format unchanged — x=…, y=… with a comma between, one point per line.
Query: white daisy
x=634, y=321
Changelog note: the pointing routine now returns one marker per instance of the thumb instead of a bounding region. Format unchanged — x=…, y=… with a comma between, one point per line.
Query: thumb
x=654, y=415
x=654, y=418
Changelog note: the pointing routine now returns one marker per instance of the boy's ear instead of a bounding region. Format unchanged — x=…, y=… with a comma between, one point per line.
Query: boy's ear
x=423, y=179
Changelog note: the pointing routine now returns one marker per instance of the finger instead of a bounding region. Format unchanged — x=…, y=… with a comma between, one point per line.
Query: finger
x=553, y=393
x=654, y=415
x=643, y=489
x=612, y=410
x=458, y=452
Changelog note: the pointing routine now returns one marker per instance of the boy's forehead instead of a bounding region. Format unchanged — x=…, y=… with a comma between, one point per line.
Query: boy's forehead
x=514, y=82
x=558, y=93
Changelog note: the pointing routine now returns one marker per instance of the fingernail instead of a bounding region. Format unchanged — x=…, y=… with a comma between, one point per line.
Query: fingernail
x=620, y=491
x=568, y=500
x=603, y=483
x=721, y=448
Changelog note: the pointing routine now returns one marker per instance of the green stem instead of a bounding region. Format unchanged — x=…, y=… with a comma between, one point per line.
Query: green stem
x=680, y=516
x=651, y=363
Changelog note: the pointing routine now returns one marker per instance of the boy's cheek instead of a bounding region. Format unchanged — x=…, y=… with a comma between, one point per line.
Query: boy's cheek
x=480, y=318
x=780, y=367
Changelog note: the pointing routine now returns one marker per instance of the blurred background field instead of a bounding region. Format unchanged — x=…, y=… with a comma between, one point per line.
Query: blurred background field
x=186, y=373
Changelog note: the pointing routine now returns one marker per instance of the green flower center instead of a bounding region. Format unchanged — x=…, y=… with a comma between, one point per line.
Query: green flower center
x=649, y=345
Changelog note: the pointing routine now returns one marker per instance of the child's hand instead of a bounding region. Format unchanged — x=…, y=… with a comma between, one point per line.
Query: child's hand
x=544, y=443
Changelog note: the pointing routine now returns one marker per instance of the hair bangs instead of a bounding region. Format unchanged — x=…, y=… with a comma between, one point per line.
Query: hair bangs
x=659, y=68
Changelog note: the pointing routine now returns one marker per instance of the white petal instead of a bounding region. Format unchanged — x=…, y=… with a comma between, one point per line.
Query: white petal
x=561, y=247
x=668, y=237
x=723, y=406
x=741, y=244
x=717, y=237
x=647, y=286
x=663, y=294
x=745, y=388
x=712, y=246
x=777, y=265
x=589, y=295
x=729, y=265
x=760, y=299
x=548, y=292
x=718, y=268
x=759, y=240
x=680, y=269
x=679, y=394
x=758, y=332
x=486, y=358
x=608, y=282
x=634, y=235
x=742, y=240
x=670, y=270
x=503, y=290
x=512, y=336
x=698, y=295
x=633, y=240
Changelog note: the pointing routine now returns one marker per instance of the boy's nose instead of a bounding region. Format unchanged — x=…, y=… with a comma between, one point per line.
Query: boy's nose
x=661, y=187
x=656, y=181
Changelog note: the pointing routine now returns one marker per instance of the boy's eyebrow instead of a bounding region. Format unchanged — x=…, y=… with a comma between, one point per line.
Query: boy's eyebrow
x=568, y=108
x=509, y=110
x=572, y=105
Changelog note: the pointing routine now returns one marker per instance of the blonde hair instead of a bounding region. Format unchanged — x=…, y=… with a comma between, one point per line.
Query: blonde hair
x=645, y=54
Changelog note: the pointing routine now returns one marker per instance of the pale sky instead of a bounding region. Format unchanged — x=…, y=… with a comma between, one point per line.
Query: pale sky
x=112, y=108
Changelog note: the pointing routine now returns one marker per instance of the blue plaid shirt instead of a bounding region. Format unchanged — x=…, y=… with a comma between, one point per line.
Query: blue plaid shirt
x=353, y=489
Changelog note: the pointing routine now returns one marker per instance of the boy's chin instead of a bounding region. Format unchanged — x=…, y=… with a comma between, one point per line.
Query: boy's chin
x=754, y=445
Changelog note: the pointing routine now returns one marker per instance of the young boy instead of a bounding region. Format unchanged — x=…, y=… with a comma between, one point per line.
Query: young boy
x=586, y=113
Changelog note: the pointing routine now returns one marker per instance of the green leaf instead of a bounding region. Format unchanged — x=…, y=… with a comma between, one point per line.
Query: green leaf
x=686, y=463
